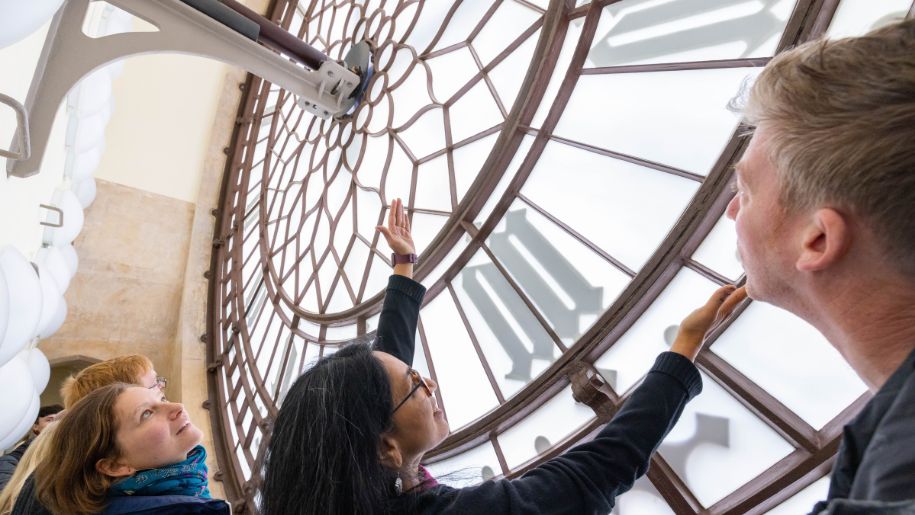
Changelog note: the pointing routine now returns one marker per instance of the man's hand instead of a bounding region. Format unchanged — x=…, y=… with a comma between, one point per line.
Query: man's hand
x=694, y=327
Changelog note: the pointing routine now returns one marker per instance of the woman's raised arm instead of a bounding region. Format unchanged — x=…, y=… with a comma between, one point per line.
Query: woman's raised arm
x=403, y=297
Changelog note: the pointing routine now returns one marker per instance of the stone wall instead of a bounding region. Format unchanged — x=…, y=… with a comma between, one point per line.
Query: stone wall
x=126, y=294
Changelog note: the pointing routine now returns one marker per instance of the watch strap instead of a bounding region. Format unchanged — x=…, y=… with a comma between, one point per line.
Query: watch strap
x=399, y=259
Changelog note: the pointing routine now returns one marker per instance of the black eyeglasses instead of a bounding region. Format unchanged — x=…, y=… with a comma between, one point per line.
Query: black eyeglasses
x=418, y=381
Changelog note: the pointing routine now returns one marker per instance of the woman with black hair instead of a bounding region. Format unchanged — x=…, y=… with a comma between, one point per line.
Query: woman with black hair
x=352, y=430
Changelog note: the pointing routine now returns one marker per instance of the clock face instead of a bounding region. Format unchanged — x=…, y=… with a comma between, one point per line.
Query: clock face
x=565, y=166
x=445, y=81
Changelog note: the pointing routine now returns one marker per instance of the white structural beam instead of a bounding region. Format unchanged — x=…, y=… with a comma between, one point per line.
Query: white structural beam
x=69, y=55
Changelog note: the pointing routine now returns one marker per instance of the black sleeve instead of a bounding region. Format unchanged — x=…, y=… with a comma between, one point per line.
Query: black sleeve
x=399, y=315
x=588, y=477
x=849, y=507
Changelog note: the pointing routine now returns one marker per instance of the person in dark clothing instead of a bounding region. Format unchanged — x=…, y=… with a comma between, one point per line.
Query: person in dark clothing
x=825, y=219
x=122, y=449
x=8, y=462
x=352, y=431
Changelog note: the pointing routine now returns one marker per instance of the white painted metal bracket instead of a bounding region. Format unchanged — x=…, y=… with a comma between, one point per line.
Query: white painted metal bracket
x=69, y=55
x=21, y=147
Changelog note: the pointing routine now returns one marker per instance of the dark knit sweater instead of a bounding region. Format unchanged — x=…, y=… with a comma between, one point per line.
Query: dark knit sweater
x=588, y=477
x=396, y=333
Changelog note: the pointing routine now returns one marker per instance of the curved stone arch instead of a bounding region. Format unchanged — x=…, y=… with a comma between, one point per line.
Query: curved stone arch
x=61, y=368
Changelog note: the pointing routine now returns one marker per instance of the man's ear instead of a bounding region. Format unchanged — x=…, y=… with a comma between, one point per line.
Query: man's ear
x=825, y=240
x=113, y=468
x=391, y=457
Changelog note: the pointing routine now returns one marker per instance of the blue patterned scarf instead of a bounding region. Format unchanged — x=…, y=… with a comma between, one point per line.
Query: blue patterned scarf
x=188, y=477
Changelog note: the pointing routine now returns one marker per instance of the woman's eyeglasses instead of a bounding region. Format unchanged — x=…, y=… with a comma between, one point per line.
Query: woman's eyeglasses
x=418, y=381
x=161, y=383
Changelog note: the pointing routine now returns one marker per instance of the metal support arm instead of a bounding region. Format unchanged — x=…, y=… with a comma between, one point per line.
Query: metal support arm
x=23, y=147
x=69, y=55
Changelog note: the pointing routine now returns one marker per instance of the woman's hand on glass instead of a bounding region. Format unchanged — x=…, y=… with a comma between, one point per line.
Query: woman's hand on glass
x=694, y=327
x=397, y=231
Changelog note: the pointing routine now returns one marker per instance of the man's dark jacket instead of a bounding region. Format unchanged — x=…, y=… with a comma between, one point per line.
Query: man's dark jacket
x=8, y=463
x=876, y=461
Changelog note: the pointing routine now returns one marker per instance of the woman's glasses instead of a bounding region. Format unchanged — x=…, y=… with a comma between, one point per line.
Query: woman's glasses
x=418, y=381
x=161, y=383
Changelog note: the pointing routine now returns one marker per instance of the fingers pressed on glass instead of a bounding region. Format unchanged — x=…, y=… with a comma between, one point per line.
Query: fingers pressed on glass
x=730, y=299
x=737, y=296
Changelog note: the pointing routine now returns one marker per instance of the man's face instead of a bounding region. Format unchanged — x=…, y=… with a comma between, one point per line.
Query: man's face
x=763, y=234
x=43, y=422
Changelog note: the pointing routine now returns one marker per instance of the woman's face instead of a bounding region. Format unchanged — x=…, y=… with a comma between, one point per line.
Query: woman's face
x=151, y=431
x=419, y=423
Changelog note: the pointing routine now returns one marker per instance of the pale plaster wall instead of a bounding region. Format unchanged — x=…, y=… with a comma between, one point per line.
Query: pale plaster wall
x=158, y=137
x=125, y=298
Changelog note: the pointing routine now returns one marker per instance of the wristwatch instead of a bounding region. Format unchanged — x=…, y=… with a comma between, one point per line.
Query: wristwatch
x=399, y=259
